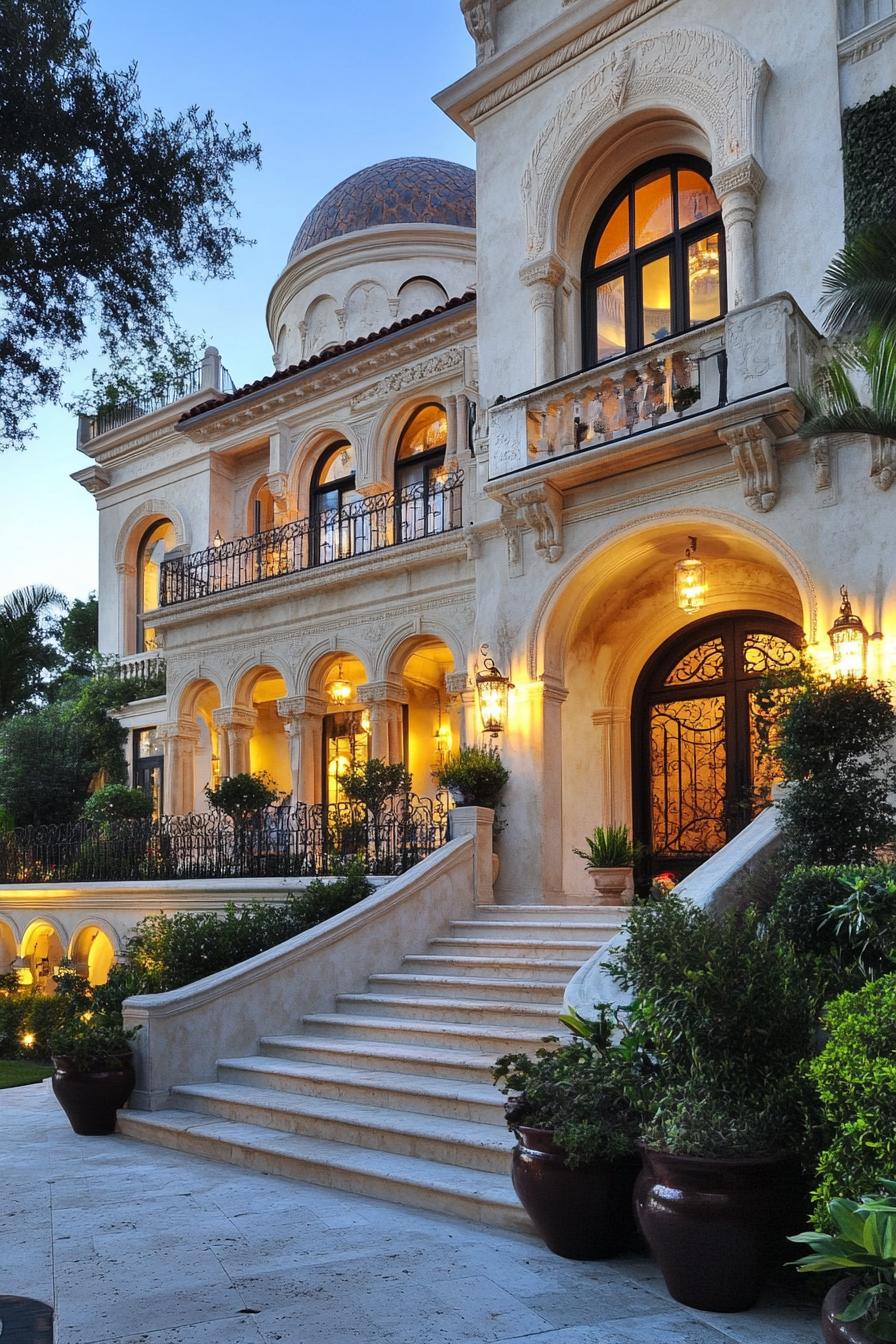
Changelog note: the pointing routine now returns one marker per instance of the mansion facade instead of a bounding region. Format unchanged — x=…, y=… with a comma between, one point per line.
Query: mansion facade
x=503, y=406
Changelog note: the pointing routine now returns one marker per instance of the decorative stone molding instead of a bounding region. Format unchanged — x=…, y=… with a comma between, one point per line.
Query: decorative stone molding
x=512, y=528
x=755, y=456
x=178, y=730
x=540, y=507
x=375, y=692
x=545, y=271
x=447, y=361
x=700, y=72
x=278, y=484
x=93, y=479
x=883, y=462
x=744, y=176
x=821, y=460
x=234, y=717
x=457, y=682
x=481, y=18
x=295, y=706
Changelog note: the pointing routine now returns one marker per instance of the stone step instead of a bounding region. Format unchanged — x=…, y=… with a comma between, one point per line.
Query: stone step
x=418, y=1008
x=499, y=968
x=484, y=1197
x=544, y=990
x=594, y=932
x=569, y=913
x=395, y=1056
x=434, y=1095
x=470, y=1037
x=437, y=1138
x=545, y=949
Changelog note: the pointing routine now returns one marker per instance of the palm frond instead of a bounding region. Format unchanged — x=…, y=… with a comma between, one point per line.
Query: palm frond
x=833, y=405
x=35, y=600
x=860, y=284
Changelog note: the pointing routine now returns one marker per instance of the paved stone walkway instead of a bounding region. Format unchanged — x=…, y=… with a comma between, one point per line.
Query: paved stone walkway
x=139, y=1245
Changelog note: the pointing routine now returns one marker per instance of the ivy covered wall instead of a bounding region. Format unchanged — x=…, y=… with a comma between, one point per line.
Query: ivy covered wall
x=869, y=161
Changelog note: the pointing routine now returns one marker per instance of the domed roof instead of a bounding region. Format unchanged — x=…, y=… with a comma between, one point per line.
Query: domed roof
x=397, y=191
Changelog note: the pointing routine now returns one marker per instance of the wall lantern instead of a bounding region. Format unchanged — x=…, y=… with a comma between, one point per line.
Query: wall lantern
x=690, y=580
x=849, y=641
x=217, y=539
x=340, y=690
x=491, y=692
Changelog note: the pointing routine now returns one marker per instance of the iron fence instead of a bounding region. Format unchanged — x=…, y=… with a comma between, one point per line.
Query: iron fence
x=113, y=417
x=359, y=528
x=301, y=841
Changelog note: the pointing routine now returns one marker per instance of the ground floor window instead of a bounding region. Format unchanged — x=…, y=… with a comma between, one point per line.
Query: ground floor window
x=699, y=777
x=148, y=767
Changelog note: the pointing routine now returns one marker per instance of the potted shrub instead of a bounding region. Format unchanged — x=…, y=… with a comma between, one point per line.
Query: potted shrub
x=610, y=857
x=473, y=776
x=726, y=1018
x=860, y=1308
x=574, y=1163
x=93, y=1070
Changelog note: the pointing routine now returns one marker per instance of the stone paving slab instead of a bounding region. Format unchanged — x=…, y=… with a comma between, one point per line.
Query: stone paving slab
x=141, y=1245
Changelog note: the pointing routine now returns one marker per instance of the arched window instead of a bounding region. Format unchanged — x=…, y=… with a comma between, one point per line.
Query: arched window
x=420, y=473
x=654, y=263
x=261, y=509
x=332, y=488
x=152, y=550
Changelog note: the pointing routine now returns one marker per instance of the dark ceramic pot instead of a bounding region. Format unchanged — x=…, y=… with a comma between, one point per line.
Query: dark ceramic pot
x=715, y=1226
x=836, y=1300
x=582, y=1213
x=90, y=1100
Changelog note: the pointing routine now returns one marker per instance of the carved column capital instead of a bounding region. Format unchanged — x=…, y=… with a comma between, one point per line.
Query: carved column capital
x=375, y=692
x=295, y=707
x=541, y=277
x=755, y=456
x=234, y=717
x=745, y=178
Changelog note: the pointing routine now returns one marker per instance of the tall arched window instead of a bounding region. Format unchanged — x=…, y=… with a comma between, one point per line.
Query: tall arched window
x=420, y=473
x=332, y=488
x=156, y=542
x=654, y=262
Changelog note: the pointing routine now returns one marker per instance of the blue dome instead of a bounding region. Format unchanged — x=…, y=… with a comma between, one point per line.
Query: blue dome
x=397, y=191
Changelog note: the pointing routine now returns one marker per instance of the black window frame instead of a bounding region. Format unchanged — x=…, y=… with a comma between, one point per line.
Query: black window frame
x=674, y=245
x=343, y=486
x=431, y=462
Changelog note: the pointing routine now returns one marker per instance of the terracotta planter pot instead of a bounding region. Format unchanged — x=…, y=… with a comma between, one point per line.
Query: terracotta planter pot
x=715, y=1226
x=836, y=1300
x=90, y=1100
x=582, y=1213
x=612, y=886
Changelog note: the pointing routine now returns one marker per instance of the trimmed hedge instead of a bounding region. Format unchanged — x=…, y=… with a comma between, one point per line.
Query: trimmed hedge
x=869, y=164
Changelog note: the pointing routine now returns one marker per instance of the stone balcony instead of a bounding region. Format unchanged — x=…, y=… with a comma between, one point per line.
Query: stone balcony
x=672, y=399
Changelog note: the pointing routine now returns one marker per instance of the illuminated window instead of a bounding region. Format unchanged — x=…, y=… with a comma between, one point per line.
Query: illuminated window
x=157, y=542
x=420, y=474
x=332, y=490
x=654, y=263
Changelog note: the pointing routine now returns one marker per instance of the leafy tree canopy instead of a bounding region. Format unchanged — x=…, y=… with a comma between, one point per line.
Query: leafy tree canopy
x=102, y=203
x=27, y=653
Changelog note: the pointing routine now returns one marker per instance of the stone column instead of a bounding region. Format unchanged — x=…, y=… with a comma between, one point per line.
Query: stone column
x=613, y=760
x=179, y=739
x=479, y=823
x=738, y=189
x=303, y=717
x=532, y=849
x=542, y=277
x=384, y=701
x=234, y=724
x=451, y=441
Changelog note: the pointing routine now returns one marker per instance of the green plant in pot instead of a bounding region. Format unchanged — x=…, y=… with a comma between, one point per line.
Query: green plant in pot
x=93, y=1070
x=575, y=1163
x=474, y=776
x=609, y=858
x=726, y=1018
x=860, y=1308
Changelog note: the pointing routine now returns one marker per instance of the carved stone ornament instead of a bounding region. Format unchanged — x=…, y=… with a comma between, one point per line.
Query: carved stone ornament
x=821, y=460
x=699, y=72
x=540, y=507
x=444, y=362
x=883, y=462
x=755, y=456
x=457, y=682
x=481, y=18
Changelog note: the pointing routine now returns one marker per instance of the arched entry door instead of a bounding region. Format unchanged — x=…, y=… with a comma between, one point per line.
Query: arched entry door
x=698, y=775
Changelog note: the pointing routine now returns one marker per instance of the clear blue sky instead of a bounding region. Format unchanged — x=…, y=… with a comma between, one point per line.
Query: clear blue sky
x=326, y=89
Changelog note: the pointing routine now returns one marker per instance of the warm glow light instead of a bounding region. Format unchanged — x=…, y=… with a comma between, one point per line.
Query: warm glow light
x=492, y=688
x=27, y=1039
x=218, y=540
x=849, y=641
x=690, y=580
x=339, y=766
x=340, y=691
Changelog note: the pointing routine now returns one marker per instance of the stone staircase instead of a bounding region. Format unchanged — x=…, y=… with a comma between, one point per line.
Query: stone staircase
x=390, y=1094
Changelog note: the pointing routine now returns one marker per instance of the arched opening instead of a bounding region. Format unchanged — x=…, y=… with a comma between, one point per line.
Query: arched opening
x=42, y=952
x=156, y=542
x=268, y=744
x=335, y=532
x=654, y=260
x=347, y=728
x=433, y=721
x=92, y=954
x=7, y=947
x=202, y=761
x=261, y=509
x=420, y=474
x=418, y=294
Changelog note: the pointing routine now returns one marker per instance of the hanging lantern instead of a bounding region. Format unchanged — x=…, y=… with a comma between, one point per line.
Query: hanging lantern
x=849, y=641
x=491, y=692
x=340, y=690
x=217, y=539
x=690, y=580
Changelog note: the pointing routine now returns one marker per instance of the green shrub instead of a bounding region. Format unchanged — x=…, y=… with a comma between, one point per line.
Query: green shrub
x=372, y=783
x=726, y=1017
x=832, y=740
x=474, y=776
x=92, y=1041
x=239, y=796
x=855, y=1076
x=116, y=802
x=608, y=847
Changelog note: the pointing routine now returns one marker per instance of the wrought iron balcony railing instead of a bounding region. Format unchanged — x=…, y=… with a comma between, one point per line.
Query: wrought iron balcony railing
x=365, y=525
x=209, y=374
